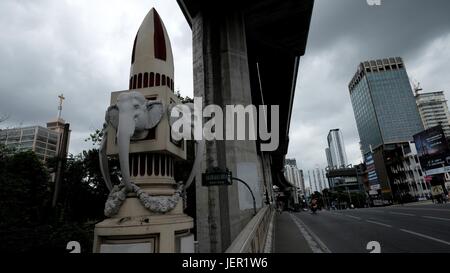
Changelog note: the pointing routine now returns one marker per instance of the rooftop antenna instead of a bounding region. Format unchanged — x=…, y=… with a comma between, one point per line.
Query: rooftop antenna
x=417, y=87
x=61, y=100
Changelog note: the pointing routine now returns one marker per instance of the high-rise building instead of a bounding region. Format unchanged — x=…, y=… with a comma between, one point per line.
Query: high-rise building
x=336, y=154
x=291, y=162
x=294, y=175
x=433, y=110
x=45, y=142
x=317, y=180
x=328, y=154
x=383, y=103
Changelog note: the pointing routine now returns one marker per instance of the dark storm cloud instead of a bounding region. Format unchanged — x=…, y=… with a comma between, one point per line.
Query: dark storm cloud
x=345, y=32
x=81, y=49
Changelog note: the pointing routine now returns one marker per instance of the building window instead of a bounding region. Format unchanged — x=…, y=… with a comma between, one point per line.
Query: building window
x=145, y=80
x=142, y=164
x=168, y=82
x=158, y=80
x=156, y=164
x=163, y=79
x=134, y=81
x=163, y=165
x=149, y=164
x=140, y=80
x=131, y=83
x=152, y=79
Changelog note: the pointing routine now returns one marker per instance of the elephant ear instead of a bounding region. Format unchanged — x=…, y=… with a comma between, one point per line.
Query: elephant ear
x=112, y=116
x=155, y=111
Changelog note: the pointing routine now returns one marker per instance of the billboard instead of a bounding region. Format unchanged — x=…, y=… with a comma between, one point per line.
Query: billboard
x=433, y=152
x=372, y=173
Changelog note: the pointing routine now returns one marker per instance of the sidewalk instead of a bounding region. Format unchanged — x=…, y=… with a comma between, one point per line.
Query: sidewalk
x=287, y=237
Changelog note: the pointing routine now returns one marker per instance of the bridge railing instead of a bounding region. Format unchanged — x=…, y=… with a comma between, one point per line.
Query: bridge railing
x=256, y=237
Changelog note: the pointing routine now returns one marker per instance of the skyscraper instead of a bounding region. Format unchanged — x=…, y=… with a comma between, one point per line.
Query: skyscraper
x=433, y=110
x=294, y=175
x=387, y=119
x=328, y=154
x=336, y=154
x=291, y=162
x=384, y=105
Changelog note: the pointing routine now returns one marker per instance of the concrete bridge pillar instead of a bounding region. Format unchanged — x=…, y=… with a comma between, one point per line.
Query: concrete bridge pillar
x=221, y=77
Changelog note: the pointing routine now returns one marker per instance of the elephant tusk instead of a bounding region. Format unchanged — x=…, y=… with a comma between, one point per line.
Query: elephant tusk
x=104, y=168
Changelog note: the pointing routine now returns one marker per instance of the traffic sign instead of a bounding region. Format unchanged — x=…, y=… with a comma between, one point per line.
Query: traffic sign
x=217, y=177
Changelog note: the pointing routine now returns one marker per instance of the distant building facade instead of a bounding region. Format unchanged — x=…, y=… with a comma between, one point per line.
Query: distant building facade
x=45, y=142
x=347, y=181
x=384, y=104
x=317, y=180
x=387, y=118
x=433, y=110
x=291, y=162
x=328, y=155
x=294, y=176
x=336, y=154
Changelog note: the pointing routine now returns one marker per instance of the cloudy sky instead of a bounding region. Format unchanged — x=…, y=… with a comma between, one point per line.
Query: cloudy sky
x=82, y=48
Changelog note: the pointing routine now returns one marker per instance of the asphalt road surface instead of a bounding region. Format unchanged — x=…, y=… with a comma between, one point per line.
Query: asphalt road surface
x=406, y=229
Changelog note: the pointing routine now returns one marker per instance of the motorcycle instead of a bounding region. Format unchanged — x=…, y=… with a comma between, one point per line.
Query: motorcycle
x=314, y=209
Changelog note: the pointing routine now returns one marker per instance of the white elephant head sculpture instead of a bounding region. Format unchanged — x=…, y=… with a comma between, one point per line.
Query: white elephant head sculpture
x=133, y=116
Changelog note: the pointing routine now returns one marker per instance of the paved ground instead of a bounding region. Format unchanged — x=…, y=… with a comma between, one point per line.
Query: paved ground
x=401, y=229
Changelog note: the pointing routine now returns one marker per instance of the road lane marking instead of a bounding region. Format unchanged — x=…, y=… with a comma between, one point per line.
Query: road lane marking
x=425, y=236
x=445, y=210
x=436, y=218
x=404, y=214
x=314, y=242
x=378, y=223
x=354, y=217
x=374, y=210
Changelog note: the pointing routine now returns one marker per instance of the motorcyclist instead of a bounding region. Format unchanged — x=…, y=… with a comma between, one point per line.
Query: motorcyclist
x=314, y=205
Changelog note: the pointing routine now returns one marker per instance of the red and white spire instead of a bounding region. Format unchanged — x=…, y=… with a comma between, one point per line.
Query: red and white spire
x=152, y=59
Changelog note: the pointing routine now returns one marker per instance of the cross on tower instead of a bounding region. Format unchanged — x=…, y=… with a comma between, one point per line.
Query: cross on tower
x=61, y=99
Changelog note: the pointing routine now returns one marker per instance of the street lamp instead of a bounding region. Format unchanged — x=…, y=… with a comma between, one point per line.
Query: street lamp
x=349, y=195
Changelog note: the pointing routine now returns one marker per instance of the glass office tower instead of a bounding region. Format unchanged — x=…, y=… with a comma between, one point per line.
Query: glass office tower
x=384, y=104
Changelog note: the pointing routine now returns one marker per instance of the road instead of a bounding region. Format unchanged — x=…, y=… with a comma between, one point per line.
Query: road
x=406, y=229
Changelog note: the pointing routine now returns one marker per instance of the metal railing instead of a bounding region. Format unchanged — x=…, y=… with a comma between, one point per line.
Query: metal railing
x=252, y=238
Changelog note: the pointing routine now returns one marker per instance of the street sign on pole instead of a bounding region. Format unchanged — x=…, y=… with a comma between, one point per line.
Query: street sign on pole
x=217, y=177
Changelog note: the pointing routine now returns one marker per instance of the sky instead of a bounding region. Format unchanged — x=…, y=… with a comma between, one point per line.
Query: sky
x=83, y=48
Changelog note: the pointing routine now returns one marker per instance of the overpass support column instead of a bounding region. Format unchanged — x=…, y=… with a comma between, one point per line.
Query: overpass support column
x=221, y=77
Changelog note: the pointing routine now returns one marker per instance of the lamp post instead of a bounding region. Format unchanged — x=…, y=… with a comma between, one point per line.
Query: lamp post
x=349, y=195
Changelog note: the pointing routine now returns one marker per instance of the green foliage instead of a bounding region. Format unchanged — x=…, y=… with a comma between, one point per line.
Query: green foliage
x=26, y=193
x=186, y=99
x=95, y=138
x=28, y=222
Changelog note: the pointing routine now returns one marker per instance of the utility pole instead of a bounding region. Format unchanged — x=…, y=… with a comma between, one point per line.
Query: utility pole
x=349, y=195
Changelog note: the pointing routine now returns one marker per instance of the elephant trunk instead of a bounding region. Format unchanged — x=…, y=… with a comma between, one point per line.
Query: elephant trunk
x=125, y=131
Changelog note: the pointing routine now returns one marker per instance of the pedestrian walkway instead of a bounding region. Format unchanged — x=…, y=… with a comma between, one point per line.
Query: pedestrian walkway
x=288, y=238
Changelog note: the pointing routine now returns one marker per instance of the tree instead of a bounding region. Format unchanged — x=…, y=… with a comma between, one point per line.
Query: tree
x=24, y=201
x=186, y=99
x=95, y=138
x=28, y=221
